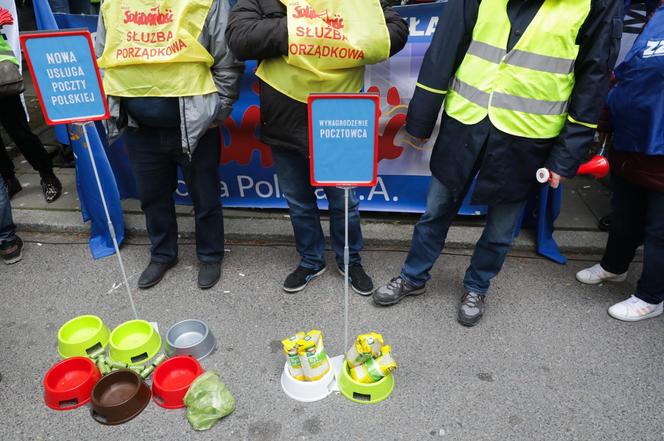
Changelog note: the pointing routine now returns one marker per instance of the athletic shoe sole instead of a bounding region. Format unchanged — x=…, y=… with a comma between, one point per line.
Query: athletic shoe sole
x=653, y=314
x=362, y=293
x=11, y=258
x=14, y=260
x=617, y=279
x=300, y=288
x=469, y=323
x=415, y=292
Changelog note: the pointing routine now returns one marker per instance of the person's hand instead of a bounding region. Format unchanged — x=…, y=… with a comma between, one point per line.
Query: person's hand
x=555, y=179
x=416, y=141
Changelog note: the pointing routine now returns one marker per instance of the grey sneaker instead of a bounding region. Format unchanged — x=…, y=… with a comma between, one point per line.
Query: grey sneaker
x=471, y=309
x=393, y=292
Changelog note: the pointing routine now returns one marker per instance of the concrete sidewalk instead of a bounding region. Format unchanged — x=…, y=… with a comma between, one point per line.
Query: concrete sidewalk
x=546, y=362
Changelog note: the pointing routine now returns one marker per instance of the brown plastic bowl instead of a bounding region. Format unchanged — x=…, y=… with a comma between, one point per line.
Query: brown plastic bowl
x=119, y=397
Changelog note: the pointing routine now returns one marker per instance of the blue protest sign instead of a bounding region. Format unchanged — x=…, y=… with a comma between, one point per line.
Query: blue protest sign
x=343, y=139
x=66, y=76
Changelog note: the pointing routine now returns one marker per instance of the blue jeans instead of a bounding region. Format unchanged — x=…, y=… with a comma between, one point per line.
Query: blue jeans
x=7, y=227
x=637, y=218
x=293, y=173
x=431, y=231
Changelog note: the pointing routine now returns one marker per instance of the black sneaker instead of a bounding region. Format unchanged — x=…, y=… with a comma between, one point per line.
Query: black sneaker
x=51, y=187
x=12, y=252
x=393, y=292
x=471, y=309
x=298, y=279
x=154, y=273
x=13, y=186
x=359, y=280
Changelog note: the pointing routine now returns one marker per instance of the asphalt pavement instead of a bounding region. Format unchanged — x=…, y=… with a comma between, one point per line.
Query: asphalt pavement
x=546, y=362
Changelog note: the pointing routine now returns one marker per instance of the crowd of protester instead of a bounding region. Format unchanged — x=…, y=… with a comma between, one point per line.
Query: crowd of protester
x=521, y=85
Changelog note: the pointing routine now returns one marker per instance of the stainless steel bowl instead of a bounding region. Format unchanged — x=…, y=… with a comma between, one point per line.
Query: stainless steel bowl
x=190, y=337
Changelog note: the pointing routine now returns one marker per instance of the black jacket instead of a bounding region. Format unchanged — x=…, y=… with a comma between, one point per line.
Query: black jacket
x=257, y=30
x=507, y=164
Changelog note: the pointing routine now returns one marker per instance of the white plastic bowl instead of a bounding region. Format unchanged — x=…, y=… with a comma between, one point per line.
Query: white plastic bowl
x=307, y=391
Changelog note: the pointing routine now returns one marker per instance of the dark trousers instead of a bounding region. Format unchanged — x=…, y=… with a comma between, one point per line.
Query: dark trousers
x=293, y=174
x=13, y=119
x=637, y=219
x=154, y=155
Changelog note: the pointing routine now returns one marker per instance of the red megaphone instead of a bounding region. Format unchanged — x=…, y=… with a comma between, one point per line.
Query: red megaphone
x=597, y=167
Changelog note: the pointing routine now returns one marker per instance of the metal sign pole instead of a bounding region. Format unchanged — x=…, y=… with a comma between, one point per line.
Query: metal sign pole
x=344, y=162
x=346, y=264
x=111, y=228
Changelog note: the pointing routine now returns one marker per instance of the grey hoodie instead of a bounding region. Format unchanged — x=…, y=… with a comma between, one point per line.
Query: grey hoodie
x=197, y=113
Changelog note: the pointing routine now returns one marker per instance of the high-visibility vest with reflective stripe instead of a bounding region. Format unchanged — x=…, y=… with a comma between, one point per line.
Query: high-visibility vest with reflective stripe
x=524, y=91
x=6, y=52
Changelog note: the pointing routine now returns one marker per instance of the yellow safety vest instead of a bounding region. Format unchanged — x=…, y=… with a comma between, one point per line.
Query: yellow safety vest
x=329, y=43
x=524, y=91
x=152, y=48
x=6, y=52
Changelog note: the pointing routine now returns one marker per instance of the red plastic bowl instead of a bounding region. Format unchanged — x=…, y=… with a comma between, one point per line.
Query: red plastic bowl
x=171, y=381
x=68, y=384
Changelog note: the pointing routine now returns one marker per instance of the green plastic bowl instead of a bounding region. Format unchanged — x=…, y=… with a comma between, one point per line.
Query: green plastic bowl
x=134, y=342
x=81, y=336
x=371, y=393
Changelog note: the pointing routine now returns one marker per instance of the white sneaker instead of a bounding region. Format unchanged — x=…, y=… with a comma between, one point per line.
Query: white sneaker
x=596, y=275
x=635, y=309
